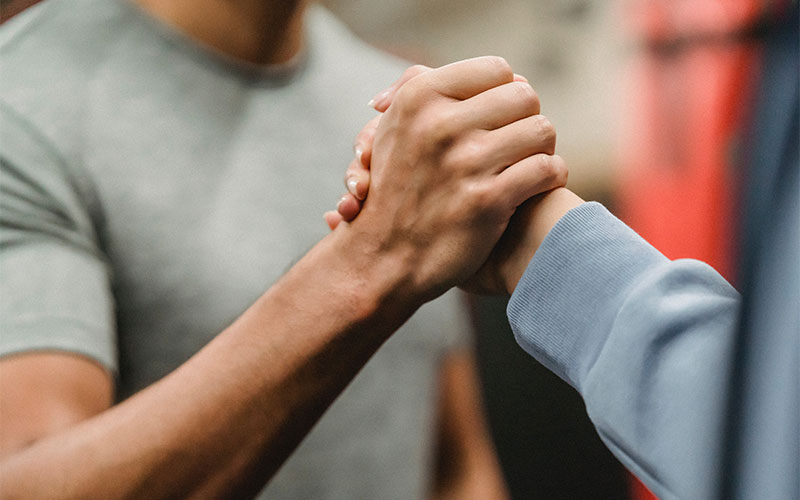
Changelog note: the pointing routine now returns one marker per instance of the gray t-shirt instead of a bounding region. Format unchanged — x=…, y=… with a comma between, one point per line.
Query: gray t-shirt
x=152, y=189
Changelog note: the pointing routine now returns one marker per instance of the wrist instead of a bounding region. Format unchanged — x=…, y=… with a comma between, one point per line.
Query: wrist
x=377, y=283
x=537, y=218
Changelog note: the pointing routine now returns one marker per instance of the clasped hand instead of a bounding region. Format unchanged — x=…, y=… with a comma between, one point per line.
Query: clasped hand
x=454, y=153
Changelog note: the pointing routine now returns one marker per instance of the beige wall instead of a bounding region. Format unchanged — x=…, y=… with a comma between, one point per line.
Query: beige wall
x=571, y=50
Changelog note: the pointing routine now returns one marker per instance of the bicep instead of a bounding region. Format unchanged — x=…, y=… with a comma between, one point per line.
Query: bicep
x=43, y=393
x=57, y=331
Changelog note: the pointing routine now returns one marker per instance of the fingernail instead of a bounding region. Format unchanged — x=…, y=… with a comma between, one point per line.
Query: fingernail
x=341, y=200
x=352, y=186
x=520, y=78
x=378, y=98
x=359, y=150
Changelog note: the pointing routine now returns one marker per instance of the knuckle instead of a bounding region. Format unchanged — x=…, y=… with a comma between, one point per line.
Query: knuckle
x=526, y=95
x=561, y=170
x=500, y=65
x=410, y=98
x=541, y=165
x=544, y=166
x=446, y=124
x=427, y=126
x=481, y=197
x=469, y=154
x=547, y=168
x=414, y=70
x=546, y=131
x=439, y=126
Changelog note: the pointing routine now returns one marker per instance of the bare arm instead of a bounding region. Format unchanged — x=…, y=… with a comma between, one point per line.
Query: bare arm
x=233, y=412
x=223, y=422
x=43, y=393
x=467, y=465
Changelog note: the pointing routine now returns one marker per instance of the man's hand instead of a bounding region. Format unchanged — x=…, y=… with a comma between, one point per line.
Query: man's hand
x=469, y=142
x=501, y=143
x=357, y=176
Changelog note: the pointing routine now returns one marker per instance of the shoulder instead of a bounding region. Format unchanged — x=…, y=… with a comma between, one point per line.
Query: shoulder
x=56, y=39
x=49, y=54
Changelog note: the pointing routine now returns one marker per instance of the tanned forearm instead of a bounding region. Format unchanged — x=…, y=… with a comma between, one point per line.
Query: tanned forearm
x=222, y=424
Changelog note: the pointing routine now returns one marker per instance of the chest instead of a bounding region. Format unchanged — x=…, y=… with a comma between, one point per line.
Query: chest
x=200, y=217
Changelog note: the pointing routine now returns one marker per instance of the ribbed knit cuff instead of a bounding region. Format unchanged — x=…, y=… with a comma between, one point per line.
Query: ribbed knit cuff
x=565, y=304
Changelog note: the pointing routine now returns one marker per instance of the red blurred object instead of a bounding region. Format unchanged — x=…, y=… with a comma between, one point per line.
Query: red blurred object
x=692, y=88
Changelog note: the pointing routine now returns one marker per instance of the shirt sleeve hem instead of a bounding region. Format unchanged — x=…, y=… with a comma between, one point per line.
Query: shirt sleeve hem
x=62, y=334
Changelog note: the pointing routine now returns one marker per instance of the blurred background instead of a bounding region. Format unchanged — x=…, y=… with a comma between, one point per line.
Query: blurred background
x=571, y=50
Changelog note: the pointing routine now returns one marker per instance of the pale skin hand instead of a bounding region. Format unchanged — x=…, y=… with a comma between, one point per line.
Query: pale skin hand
x=220, y=429
x=533, y=220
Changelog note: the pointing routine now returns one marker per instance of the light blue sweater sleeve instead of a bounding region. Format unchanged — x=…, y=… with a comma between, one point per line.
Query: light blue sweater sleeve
x=648, y=343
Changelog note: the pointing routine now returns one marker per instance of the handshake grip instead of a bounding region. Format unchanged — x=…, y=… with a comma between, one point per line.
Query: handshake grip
x=438, y=175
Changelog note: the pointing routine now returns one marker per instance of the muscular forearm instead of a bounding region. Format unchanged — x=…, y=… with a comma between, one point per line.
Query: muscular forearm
x=222, y=424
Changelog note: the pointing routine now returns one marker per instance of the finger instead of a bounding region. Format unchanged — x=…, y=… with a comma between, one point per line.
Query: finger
x=363, y=143
x=464, y=79
x=356, y=179
x=383, y=99
x=501, y=105
x=519, y=140
x=531, y=176
x=348, y=207
x=332, y=218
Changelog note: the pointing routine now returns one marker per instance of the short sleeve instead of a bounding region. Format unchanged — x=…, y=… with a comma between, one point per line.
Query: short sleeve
x=55, y=291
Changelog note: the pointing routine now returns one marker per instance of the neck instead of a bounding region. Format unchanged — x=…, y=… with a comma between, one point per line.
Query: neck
x=255, y=31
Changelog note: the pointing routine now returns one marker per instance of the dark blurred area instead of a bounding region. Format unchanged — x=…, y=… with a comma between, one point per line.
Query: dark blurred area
x=548, y=447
